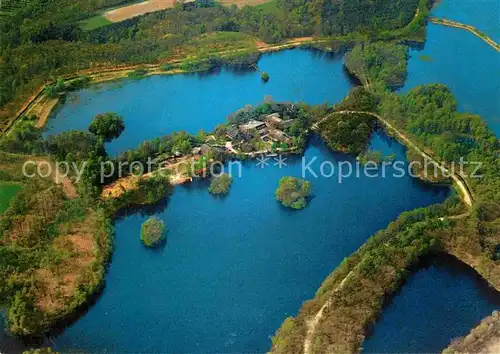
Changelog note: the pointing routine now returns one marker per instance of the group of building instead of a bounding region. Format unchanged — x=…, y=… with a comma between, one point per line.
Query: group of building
x=270, y=128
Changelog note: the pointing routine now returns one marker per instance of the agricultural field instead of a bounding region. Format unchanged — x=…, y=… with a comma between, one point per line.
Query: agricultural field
x=141, y=8
x=126, y=12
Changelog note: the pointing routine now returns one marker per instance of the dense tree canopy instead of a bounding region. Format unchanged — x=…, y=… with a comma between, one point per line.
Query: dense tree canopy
x=294, y=192
x=220, y=185
x=153, y=232
x=349, y=133
x=107, y=126
x=378, y=62
x=49, y=34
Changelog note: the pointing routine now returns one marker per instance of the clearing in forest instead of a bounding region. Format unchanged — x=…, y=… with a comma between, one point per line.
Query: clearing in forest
x=138, y=9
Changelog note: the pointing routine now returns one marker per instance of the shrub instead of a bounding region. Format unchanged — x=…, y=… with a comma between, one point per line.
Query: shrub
x=264, y=76
x=220, y=185
x=138, y=73
x=153, y=232
x=166, y=67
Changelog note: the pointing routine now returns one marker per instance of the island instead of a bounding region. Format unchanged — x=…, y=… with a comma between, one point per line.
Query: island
x=153, y=232
x=220, y=185
x=294, y=192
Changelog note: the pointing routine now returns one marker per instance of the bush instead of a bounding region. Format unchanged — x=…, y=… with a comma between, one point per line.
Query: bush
x=264, y=76
x=138, y=73
x=220, y=185
x=153, y=232
x=166, y=67
x=294, y=192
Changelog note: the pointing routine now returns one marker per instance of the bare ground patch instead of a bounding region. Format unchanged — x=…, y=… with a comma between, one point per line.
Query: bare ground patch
x=139, y=9
x=126, y=12
x=57, y=285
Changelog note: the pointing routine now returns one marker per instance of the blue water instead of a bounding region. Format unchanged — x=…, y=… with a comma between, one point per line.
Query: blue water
x=235, y=267
x=160, y=105
x=482, y=14
x=440, y=302
x=464, y=63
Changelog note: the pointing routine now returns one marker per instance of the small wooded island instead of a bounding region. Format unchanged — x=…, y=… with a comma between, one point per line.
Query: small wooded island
x=153, y=232
x=294, y=192
x=220, y=185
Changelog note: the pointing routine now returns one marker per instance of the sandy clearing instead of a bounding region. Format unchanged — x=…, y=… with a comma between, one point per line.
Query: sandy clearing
x=126, y=12
x=139, y=9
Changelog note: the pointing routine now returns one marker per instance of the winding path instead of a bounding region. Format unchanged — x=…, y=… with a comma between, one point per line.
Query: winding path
x=459, y=180
x=467, y=198
x=313, y=322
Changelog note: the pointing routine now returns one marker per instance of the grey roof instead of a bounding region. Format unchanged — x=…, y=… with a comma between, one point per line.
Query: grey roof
x=252, y=124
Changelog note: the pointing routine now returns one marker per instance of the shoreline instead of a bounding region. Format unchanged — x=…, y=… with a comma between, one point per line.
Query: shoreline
x=106, y=74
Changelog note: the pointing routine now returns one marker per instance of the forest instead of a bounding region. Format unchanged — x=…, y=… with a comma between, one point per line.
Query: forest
x=349, y=133
x=378, y=62
x=48, y=33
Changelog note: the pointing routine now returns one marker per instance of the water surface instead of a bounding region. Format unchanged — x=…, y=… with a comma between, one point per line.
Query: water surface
x=482, y=14
x=464, y=63
x=444, y=300
x=160, y=105
x=235, y=267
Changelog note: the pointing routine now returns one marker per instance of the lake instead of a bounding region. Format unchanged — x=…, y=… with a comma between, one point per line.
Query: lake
x=482, y=14
x=464, y=63
x=233, y=268
x=160, y=105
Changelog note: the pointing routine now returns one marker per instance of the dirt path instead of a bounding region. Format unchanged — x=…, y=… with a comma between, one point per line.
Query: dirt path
x=467, y=196
x=312, y=324
x=472, y=29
